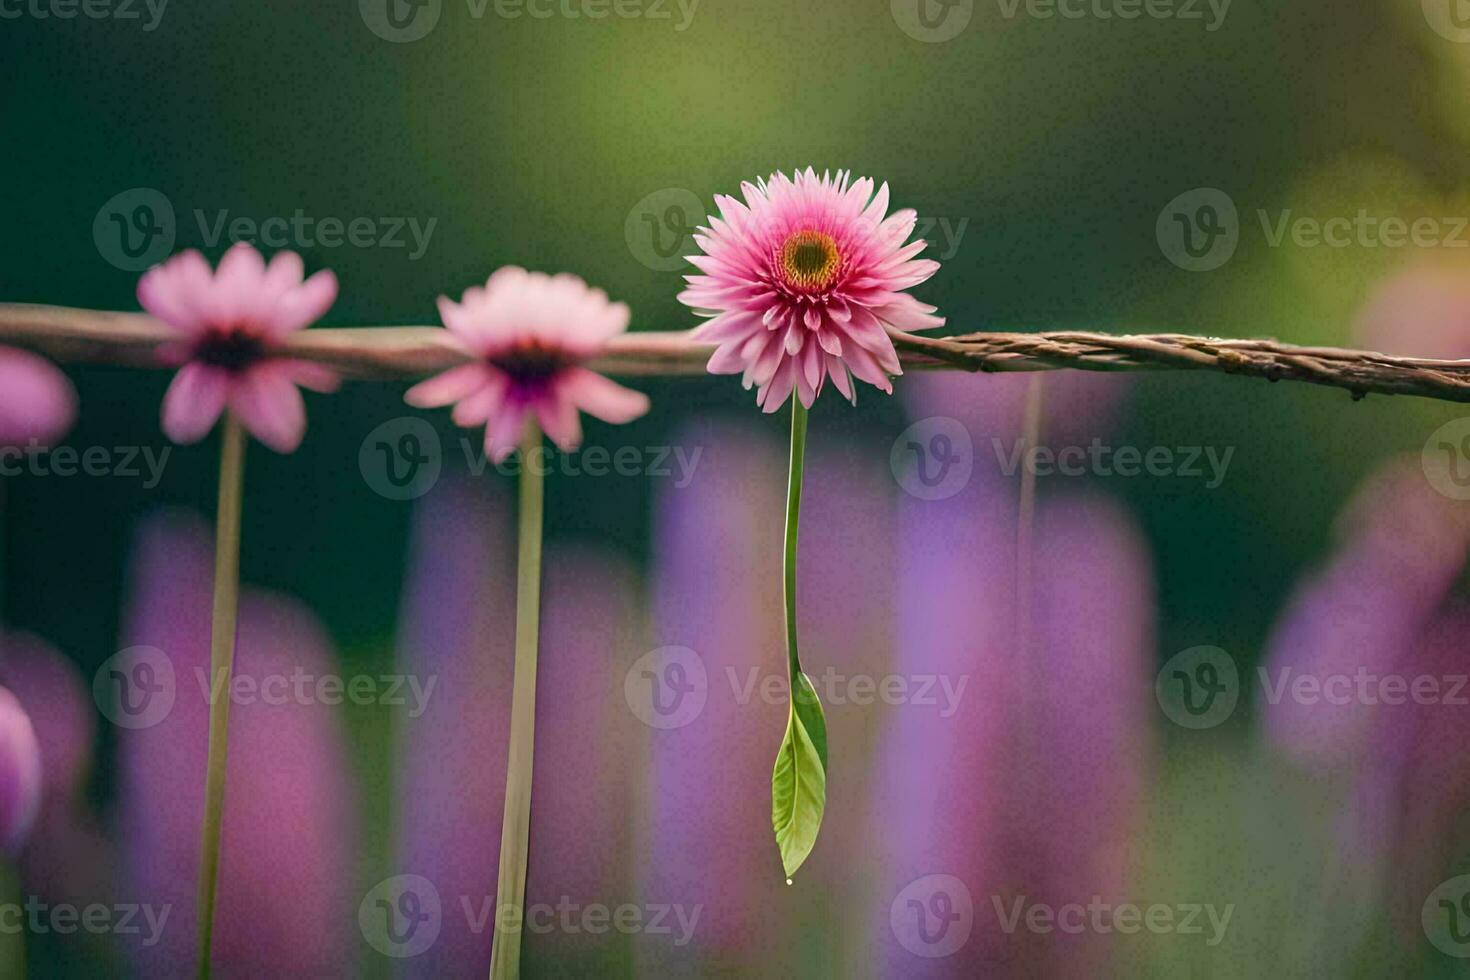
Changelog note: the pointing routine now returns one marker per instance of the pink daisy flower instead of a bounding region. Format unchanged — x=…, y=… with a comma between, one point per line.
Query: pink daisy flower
x=38, y=405
x=803, y=281
x=231, y=321
x=529, y=335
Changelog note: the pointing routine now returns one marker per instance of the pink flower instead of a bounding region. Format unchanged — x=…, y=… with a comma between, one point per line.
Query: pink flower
x=529, y=334
x=231, y=320
x=38, y=404
x=803, y=282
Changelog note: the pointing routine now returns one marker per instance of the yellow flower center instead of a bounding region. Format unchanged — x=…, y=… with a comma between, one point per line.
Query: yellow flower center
x=810, y=259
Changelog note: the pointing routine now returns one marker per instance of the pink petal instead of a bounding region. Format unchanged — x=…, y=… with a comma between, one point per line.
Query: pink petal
x=559, y=420
x=194, y=401
x=238, y=282
x=451, y=386
x=503, y=434
x=477, y=407
x=178, y=292
x=309, y=375
x=303, y=305
x=270, y=407
x=603, y=399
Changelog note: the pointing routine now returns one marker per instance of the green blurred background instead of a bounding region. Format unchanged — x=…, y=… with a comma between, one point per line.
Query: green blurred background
x=532, y=141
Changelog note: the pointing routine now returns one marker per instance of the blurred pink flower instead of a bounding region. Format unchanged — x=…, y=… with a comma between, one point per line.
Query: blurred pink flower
x=231, y=321
x=37, y=402
x=803, y=281
x=458, y=609
x=529, y=335
x=20, y=774
x=1422, y=310
x=286, y=894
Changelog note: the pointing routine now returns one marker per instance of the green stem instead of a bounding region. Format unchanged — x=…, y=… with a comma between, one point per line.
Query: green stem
x=793, y=521
x=515, y=828
x=222, y=662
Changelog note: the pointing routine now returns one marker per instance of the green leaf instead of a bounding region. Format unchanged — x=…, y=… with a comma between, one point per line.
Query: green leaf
x=799, y=780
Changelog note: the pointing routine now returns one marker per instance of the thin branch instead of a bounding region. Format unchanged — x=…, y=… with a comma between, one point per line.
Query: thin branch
x=71, y=335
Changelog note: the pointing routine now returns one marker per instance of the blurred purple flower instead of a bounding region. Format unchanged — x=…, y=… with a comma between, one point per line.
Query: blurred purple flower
x=586, y=772
x=37, y=401
x=1401, y=548
x=1382, y=612
x=1030, y=790
x=458, y=613
x=1077, y=405
x=458, y=625
x=20, y=774
x=285, y=892
x=68, y=858
x=716, y=593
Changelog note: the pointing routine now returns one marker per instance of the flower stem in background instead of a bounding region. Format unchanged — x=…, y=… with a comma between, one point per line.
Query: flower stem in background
x=1026, y=518
x=12, y=944
x=515, y=828
x=1026, y=733
x=799, y=780
x=221, y=663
